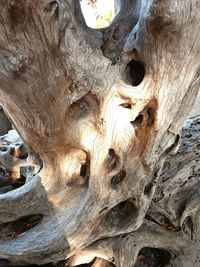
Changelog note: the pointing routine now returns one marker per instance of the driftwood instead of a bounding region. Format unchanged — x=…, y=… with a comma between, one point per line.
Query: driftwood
x=98, y=111
x=171, y=224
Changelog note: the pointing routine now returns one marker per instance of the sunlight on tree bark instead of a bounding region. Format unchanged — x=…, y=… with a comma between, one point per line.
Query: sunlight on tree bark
x=103, y=167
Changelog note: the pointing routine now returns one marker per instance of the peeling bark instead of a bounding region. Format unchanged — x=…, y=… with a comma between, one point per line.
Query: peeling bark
x=99, y=111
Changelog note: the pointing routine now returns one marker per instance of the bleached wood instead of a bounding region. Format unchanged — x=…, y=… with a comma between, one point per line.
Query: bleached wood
x=102, y=137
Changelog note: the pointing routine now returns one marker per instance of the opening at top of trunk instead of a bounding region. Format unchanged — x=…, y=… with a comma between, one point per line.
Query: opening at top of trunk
x=96, y=13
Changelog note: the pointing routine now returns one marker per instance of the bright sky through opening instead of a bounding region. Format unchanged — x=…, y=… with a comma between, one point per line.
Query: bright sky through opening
x=90, y=14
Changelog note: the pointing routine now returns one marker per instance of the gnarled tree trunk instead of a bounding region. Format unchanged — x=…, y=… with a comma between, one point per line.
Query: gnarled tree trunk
x=99, y=112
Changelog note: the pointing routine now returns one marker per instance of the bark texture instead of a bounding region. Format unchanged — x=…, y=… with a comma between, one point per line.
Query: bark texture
x=98, y=111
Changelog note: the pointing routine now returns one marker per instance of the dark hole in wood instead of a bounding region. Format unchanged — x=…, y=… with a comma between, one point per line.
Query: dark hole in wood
x=122, y=214
x=11, y=230
x=3, y=148
x=135, y=72
x=19, y=182
x=83, y=170
x=126, y=105
x=112, y=159
x=118, y=178
x=138, y=120
x=19, y=152
x=150, y=116
x=188, y=135
x=23, y=153
x=5, y=125
x=12, y=151
x=7, y=183
x=111, y=152
x=4, y=263
x=148, y=189
x=153, y=257
x=6, y=188
x=62, y=263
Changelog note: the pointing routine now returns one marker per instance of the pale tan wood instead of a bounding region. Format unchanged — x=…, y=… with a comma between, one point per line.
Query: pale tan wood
x=99, y=112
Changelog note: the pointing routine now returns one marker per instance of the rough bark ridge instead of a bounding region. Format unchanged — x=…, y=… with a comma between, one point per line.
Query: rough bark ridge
x=99, y=111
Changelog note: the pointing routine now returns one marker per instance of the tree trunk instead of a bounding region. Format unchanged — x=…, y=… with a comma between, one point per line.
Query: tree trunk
x=99, y=112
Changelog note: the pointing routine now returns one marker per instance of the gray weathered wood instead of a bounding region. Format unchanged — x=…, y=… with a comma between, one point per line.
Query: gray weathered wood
x=99, y=112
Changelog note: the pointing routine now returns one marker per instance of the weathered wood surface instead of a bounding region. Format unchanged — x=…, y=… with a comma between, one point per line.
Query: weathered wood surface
x=99, y=112
x=171, y=222
x=196, y=107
